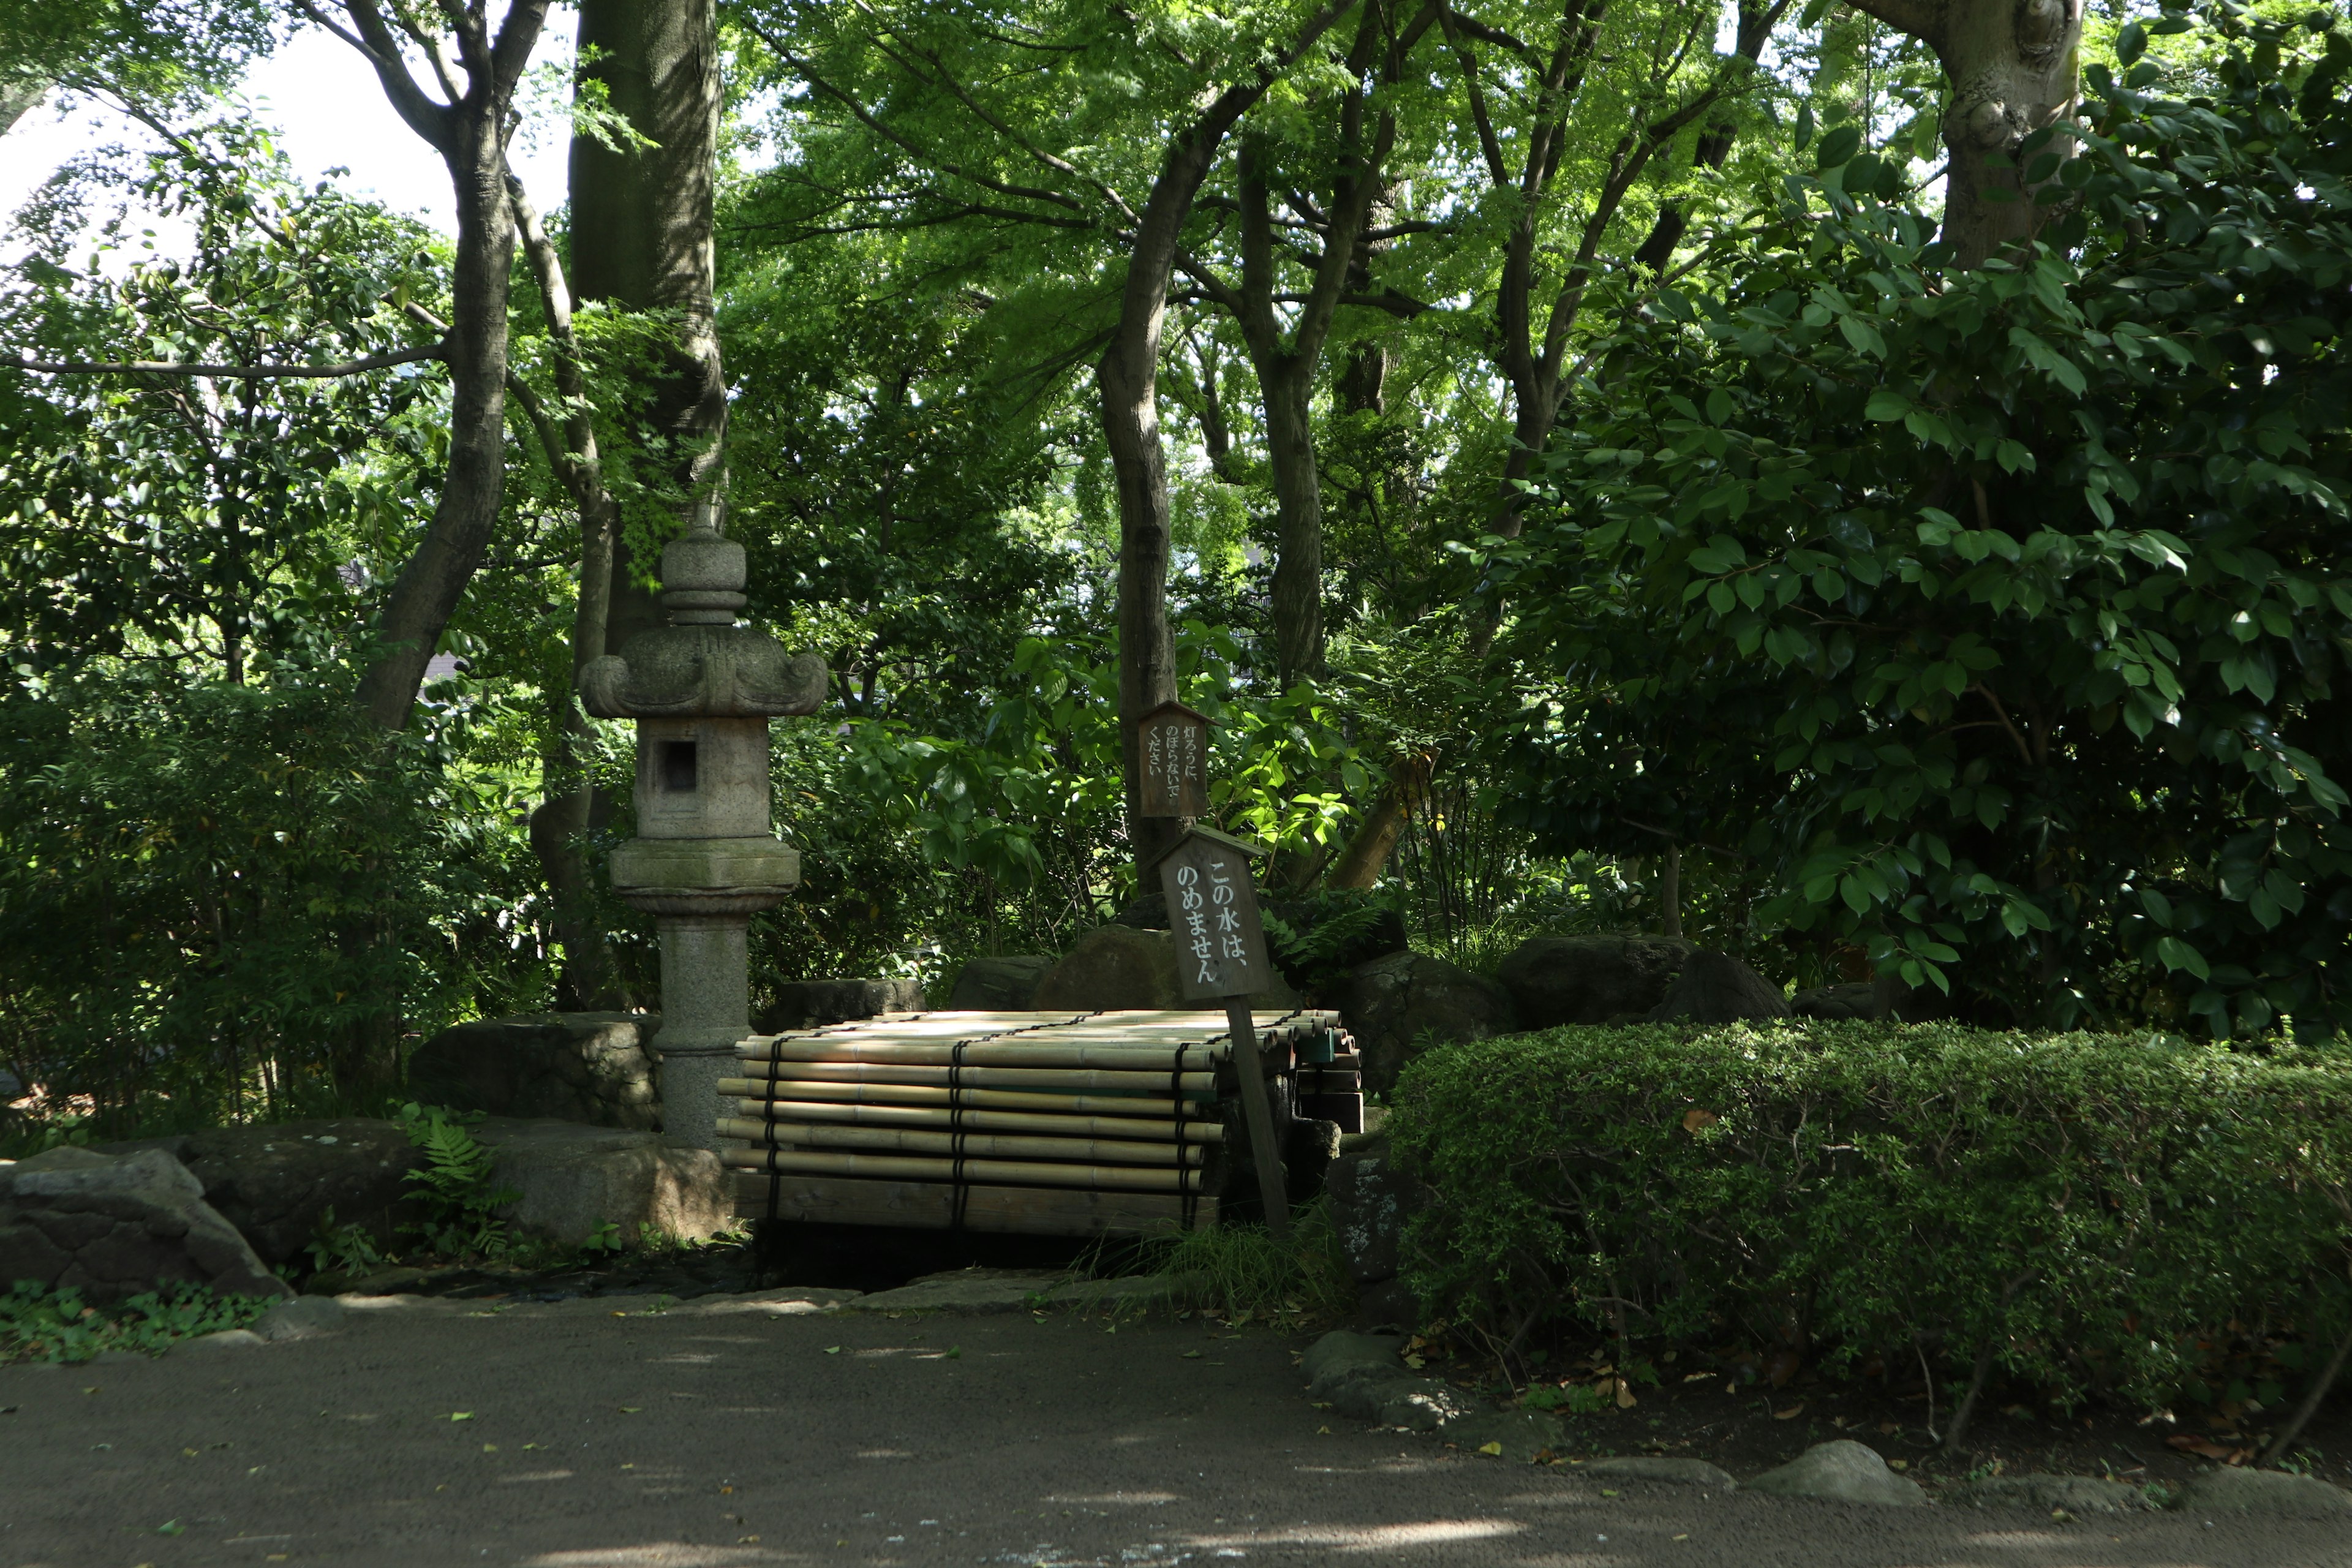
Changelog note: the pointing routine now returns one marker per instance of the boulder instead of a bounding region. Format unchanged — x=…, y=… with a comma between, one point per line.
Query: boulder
x=2076, y=1494
x=1115, y=967
x=570, y=1180
x=116, y=1227
x=1360, y=1377
x=812, y=1003
x=1399, y=1005
x=1716, y=989
x=999, y=984
x=1339, y=1355
x=1521, y=1437
x=1840, y=1471
x=1556, y=980
x=1858, y=1000
x=590, y=1067
x=2263, y=1491
x=276, y=1182
x=1656, y=1467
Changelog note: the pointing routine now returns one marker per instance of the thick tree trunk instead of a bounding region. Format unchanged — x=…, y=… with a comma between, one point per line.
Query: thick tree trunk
x=427, y=593
x=643, y=235
x=1289, y=393
x=1129, y=377
x=2012, y=68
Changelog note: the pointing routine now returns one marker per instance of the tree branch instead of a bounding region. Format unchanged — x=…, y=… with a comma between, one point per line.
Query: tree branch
x=1923, y=19
x=439, y=351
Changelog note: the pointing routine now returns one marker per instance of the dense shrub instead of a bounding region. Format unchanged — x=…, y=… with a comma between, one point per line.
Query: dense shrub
x=2092, y=1212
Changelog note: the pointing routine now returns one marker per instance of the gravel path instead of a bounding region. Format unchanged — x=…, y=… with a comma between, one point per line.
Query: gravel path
x=733, y=1431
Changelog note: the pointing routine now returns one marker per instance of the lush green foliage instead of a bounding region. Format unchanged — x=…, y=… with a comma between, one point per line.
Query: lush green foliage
x=58, y=1326
x=460, y=1200
x=2102, y=1214
x=1997, y=619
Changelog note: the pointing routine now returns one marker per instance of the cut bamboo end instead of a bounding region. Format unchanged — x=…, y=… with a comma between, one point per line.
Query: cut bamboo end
x=1165, y=1129
x=1007, y=1172
x=970, y=1145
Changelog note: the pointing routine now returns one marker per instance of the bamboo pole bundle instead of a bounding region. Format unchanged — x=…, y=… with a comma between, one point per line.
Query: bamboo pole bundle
x=899, y=1139
x=756, y=1090
x=1046, y=1053
x=1196, y=1131
x=1098, y=1081
x=1014, y=1172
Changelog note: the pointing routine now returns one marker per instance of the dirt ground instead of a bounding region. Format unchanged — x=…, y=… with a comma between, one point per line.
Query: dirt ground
x=736, y=1429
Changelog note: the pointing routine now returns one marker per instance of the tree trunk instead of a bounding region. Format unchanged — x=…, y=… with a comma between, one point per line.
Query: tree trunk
x=1129, y=377
x=1289, y=394
x=427, y=593
x=643, y=236
x=2011, y=66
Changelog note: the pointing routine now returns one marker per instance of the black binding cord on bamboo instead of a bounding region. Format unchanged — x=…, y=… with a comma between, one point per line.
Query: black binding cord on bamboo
x=1186, y=1196
x=955, y=1136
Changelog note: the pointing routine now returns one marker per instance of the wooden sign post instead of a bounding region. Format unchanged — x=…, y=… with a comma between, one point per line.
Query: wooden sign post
x=1171, y=748
x=1221, y=954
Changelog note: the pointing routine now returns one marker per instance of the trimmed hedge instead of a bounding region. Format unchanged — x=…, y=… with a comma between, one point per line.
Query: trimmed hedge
x=2087, y=1212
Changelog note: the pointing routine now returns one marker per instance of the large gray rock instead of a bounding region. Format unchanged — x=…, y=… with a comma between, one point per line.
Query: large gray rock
x=1859, y=999
x=1556, y=980
x=572, y=1179
x=1115, y=967
x=812, y=1003
x=1656, y=1467
x=1399, y=1005
x=1340, y=1355
x=2263, y=1491
x=276, y=1182
x=1840, y=1471
x=1716, y=989
x=590, y=1067
x=1518, y=1436
x=115, y=1227
x=1006, y=985
x=2076, y=1494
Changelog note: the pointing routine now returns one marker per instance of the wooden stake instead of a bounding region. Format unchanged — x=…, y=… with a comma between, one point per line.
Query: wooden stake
x=1259, y=1112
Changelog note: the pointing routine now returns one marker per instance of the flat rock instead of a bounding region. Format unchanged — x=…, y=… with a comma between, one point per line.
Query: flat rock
x=2263, y=1491
x=966, y=1290
x=1341, y=1354
x=1116, y=966
x=2076, y=1494
x=812, y=1003
x=307, y=1317
x=1556, y=980
x=1654, y=1468
x=278, y=1182
x=589, y=1067
x=573, y=1179
x=1521, y=1437
x=795, y=1301
x=1840, y=1471
x=1716, y=988
x=1399, y=1005
x=226, y=1340
x=116, y=1227
x=1007, y=984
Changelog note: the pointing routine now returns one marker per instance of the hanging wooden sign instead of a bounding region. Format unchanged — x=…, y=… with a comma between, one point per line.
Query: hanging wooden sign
x=1220, y=941
x=1171, y=745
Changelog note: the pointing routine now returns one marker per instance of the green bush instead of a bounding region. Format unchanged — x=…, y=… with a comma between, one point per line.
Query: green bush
x=36, y=1324
x=2085, y=1213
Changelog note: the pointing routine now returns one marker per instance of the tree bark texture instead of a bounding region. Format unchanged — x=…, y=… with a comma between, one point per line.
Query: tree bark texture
x=467, y=128
x=1127, y=377
x=2012, y=68
x=644, y=237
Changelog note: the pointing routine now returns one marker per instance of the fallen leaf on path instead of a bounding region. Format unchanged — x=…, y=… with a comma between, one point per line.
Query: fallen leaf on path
x=461, y=1415
x=1697, y=1376
x=1416, y=1363
x=1684, y=1536
x=2206, y=1448
x=630, y=1409
x=1322, y=1431
x=171, y=1526
x=1606, y=1492
x=833, y=1350
x=1191, y=1355
x=1625, y=1394
x=490, y=1447
x=747, y=1541
x=1792, y=1413
x=1490, y=1448
x=1898, y=1464
x=1888, y=1428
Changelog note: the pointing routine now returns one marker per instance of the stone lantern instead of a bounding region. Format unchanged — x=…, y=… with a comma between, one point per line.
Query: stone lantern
x=702, y=691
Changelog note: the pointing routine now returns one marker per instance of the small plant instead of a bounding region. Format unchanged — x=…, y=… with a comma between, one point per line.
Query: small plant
x=603, y=1241
x=1241, y=1271
x=461, y=1205
x=341, y=1248
x=44, y=1325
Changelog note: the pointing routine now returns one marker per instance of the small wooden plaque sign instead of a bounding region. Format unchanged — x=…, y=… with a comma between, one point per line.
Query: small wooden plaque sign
x=1219, y=943
x=1173, y=748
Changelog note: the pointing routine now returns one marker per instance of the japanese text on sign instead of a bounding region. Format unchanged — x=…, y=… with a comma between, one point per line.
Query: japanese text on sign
x=1220, y=943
